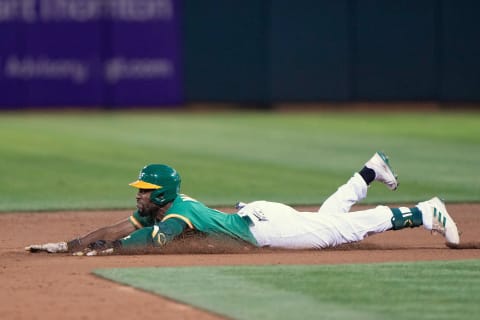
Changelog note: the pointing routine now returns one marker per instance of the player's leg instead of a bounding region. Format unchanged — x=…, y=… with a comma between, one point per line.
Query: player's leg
x=346, y=196
x=283, y=227
x=377, y=168
x=432, y=214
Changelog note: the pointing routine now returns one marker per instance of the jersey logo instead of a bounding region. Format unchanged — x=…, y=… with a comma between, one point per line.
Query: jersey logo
x=259, y=215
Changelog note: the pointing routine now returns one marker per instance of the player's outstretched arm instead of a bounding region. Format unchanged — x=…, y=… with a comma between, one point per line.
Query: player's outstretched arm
x=112, y=232
x=138, y=241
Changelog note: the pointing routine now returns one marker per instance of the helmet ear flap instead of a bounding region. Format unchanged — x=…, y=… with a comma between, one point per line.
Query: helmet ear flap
x=158, y=197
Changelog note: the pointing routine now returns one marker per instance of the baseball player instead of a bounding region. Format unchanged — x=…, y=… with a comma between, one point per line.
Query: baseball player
x=163, y=214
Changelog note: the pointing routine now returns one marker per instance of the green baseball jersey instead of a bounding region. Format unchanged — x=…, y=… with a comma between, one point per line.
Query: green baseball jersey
x=198, y=216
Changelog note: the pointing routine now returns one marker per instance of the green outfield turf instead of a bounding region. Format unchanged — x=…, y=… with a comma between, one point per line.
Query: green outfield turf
x=417, y=291
x=86, y=160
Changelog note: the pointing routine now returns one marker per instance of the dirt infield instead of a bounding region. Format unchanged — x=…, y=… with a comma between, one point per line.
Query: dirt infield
x=60, y=286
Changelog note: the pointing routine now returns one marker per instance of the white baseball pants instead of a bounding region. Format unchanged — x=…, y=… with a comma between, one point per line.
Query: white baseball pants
x=277, y=225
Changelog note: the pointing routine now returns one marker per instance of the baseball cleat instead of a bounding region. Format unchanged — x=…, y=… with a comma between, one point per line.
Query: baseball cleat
x=436, y=218
x=383, y=171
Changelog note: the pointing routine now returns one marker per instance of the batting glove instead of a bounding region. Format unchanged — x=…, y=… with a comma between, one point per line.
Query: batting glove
x=54, y=247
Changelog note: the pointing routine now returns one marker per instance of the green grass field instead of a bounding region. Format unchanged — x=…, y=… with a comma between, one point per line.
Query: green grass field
x=86, y=160
x=427, y=290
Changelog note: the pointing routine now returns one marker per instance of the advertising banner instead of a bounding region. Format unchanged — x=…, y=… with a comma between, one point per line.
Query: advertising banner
x=99, y=53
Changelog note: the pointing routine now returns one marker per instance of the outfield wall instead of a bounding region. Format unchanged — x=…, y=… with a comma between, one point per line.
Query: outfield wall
x=117, y=53
x=324, y=50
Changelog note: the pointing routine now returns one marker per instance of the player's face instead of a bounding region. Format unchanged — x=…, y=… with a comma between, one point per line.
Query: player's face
x=144, y=205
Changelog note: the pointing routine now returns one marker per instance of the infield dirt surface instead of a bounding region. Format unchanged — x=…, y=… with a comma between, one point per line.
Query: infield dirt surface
x=61, y=286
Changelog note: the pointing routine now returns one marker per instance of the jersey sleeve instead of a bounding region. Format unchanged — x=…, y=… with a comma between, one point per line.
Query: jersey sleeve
x=140, y=222
x=156, y=235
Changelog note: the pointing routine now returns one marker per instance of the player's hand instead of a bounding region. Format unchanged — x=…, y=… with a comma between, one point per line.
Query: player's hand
x=100, y=247
x=54, y=247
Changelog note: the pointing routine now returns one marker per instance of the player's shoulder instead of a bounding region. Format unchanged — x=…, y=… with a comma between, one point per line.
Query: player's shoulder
x=186, y=206
x=185, y=201
x=185, y=198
